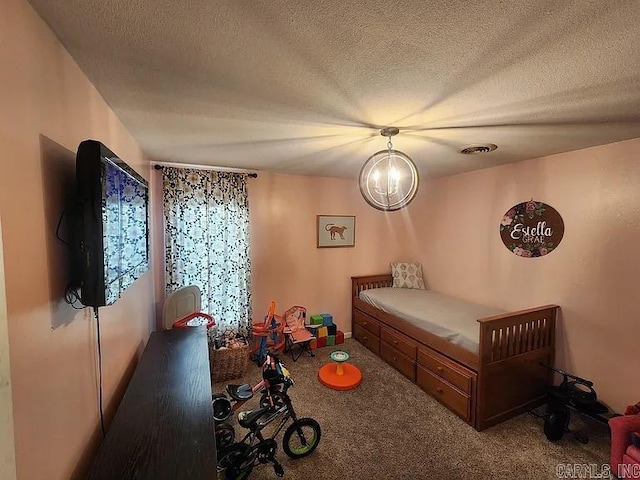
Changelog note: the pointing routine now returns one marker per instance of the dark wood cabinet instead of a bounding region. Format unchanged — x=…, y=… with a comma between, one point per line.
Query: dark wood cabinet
x=163, y=428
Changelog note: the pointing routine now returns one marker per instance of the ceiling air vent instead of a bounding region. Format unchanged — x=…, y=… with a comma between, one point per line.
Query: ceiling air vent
x=477, y=148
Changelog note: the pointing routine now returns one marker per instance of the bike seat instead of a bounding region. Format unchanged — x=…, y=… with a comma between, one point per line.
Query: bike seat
x=246, y=419
x=240, y=393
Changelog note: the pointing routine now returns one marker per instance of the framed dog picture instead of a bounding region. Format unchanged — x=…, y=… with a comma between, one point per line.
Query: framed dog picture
x=336, y=231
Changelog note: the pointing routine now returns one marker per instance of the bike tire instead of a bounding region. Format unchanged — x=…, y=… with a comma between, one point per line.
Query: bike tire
x=301, y=438
x=230, y=460
x=555, y=425
x=225, y=436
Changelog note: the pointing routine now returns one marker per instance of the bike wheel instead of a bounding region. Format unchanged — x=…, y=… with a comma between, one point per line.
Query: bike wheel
x=232, y=463
x=225, y=436
x=555, y=425
x=222, y=407
x=301, y=438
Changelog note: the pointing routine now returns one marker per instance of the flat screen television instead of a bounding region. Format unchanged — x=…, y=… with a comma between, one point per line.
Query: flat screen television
x=112, y=219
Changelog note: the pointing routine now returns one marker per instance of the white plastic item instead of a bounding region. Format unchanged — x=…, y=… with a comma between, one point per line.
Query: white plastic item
x=180, y=303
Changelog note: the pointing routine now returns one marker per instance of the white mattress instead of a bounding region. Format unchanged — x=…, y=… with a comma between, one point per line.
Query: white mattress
x=447, y=317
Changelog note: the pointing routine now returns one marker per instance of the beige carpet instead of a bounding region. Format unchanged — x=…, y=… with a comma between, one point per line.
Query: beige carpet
x=388, y=428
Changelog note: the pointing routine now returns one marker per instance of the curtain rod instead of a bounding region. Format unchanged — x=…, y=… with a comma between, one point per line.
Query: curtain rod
x=159, y=165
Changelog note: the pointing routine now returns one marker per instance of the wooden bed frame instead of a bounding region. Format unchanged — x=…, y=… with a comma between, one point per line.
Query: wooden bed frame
x=503, y=380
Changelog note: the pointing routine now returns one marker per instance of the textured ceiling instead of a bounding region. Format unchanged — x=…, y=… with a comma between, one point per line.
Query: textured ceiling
x=303, y=87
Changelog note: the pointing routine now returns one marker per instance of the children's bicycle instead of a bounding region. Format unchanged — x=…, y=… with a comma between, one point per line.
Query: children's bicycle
x=300, y=438
x=224, y=404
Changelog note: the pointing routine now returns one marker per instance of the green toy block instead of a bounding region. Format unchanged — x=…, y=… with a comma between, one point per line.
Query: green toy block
x=331, y=339
x=317, y=320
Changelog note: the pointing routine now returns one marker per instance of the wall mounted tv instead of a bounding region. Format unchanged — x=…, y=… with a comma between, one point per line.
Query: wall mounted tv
x=113, y=203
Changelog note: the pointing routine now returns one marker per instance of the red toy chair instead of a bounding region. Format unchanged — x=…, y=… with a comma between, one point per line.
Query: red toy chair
x=625, y=457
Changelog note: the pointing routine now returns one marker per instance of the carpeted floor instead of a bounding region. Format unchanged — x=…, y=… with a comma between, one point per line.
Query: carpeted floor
x=388, y=428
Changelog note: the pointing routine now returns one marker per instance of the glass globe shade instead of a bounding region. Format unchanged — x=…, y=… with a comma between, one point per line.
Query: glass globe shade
x=388, y=180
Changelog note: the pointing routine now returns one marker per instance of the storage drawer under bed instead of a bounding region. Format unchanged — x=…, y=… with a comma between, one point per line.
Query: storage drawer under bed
x=445, y=368
x=398, y=360
x=445, y=393
x=367, y=322
x=366, y=338
x=399, y=341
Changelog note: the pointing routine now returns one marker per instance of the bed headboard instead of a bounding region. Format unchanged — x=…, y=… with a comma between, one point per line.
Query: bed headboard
x=367, y=282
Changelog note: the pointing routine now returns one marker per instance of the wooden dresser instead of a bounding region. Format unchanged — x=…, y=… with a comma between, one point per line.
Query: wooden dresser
x=163, y=429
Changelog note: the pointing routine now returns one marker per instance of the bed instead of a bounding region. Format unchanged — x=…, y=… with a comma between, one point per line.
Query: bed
x=481, y=363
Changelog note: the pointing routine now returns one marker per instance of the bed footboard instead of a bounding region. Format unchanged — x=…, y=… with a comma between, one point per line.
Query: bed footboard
x=512, y=348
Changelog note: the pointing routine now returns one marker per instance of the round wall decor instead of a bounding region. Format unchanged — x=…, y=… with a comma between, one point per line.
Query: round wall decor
x=531, y=229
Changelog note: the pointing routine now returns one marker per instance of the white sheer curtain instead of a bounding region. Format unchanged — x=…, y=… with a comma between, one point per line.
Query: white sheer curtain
x=206, y=215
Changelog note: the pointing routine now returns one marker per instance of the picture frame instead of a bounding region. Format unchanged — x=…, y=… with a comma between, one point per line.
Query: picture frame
x=334, y=231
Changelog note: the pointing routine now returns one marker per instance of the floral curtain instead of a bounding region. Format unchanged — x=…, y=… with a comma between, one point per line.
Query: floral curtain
x=124, y=234
x=206, y=216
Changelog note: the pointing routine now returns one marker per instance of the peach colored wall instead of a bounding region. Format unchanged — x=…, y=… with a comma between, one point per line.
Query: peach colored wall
x=48, y=107
x=593, y=275
x=286, y=265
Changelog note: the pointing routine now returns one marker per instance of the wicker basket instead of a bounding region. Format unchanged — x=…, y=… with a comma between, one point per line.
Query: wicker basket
x=228, y=363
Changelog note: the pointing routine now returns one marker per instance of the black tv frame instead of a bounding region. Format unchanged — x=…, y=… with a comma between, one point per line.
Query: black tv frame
x=89, y=167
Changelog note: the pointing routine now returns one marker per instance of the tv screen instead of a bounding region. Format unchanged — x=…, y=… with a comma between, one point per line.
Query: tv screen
x=114, y=202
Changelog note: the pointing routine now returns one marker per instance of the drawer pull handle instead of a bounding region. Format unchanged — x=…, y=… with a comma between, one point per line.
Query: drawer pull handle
x=440, y=369
x=395, y=342
x=365, y=338
x=365, y=324
x=395, y=359
x=439, y=390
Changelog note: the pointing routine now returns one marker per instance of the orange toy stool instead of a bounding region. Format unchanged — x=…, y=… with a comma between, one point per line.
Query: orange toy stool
x=339, y=375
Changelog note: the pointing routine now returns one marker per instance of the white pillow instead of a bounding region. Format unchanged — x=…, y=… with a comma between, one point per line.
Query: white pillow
x=407, y=275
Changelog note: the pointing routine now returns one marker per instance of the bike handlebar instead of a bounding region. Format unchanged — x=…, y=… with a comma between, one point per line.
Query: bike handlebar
x=566, y=375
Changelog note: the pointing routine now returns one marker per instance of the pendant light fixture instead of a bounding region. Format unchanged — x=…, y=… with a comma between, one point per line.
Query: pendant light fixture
x=389, y=178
